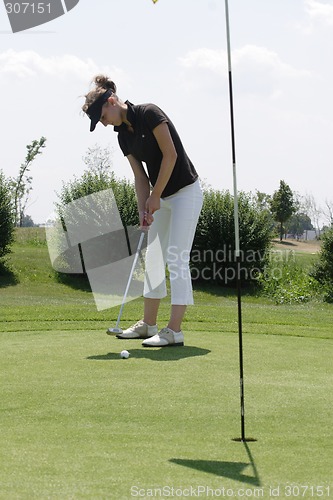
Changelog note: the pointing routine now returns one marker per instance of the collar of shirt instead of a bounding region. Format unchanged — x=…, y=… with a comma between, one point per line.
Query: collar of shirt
x=130, y=115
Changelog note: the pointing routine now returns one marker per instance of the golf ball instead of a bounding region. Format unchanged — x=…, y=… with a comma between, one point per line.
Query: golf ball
x=124, y=354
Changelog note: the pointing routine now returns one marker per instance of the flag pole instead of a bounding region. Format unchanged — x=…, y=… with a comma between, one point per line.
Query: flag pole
x=237, y=244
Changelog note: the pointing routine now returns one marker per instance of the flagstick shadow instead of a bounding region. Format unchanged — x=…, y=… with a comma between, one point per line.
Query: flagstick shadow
x=252, y=462
x=230, y=470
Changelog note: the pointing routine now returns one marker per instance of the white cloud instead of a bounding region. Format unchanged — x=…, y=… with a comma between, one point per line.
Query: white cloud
x=257, y=57
x=29, y=64
x=267, y=61
x=318, y=14
x=257, y=69
x=209, y=59
x=321, y=11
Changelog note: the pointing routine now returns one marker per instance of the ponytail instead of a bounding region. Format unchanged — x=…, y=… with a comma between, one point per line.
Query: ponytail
x=102, y=83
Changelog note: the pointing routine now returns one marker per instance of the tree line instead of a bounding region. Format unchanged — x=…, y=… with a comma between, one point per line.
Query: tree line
x=262, y=216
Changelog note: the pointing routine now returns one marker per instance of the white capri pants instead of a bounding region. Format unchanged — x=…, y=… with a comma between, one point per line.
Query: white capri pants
x=170, y=240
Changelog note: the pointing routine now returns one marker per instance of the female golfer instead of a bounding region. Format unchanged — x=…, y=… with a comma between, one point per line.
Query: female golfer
x=169, y=199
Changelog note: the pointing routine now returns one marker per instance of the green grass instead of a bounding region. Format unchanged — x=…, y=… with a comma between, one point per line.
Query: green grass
x=287, y=276
x=78, y=422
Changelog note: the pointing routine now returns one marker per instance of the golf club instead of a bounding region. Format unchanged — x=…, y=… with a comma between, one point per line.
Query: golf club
x=117, y=329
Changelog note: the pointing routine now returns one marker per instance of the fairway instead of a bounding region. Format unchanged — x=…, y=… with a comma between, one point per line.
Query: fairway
x=79, y=422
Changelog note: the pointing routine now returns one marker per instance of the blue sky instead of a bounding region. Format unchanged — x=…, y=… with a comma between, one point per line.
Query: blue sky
x=173, y=53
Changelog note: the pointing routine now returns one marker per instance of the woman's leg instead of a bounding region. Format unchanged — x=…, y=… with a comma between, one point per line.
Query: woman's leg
x=186, y=207
x=185, y=210
x=155, y=263
x=151, y=310
x=155, y=260
x=176, y=317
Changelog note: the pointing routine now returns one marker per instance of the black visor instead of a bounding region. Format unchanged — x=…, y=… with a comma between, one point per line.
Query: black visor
x=95, y=109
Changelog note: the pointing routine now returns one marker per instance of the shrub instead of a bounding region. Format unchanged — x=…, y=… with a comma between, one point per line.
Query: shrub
x=97, y=177
x=94, y=182
x=286, y=282
x=6, y=217
x=213, y=254
x=101, y=213
x=323, y=269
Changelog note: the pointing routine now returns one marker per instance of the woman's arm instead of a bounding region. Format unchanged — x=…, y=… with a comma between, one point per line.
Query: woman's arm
x=142, y=187
x=166, y=145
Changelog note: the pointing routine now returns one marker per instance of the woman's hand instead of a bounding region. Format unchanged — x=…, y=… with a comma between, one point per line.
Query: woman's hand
x=153, y=203
x=145, y=220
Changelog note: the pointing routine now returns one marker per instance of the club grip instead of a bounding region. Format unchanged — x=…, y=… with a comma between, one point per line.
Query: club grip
x=144, y=222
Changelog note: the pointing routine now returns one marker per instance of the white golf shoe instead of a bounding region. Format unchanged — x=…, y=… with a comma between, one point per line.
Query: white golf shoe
x=165, y=338
x=140, y=330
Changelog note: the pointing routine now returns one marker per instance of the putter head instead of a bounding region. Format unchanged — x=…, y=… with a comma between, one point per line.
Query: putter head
x=113, y=331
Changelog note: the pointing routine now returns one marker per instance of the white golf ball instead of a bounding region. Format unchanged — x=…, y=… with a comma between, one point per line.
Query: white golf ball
x=124, y=354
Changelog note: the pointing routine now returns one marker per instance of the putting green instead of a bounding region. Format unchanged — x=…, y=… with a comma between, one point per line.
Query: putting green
x=80, y=422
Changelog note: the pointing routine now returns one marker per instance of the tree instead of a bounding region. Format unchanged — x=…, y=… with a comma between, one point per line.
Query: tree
x=323, y=268
x=313, y=211
x=27, y=221
x=22, y=184
x=263, y=200
x=263, y=203
x=328, y=213
x=6, y=216
x=282, y=205
x=298, y=223
x=99, y=160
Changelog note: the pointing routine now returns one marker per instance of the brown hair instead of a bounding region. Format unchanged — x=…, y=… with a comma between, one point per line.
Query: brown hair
x=102, y=83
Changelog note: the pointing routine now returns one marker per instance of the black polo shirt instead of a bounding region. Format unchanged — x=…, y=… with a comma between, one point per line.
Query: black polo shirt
x=144, y=147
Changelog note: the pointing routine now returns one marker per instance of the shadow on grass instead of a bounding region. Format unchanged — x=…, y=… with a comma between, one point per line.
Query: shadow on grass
x=156, y=354
x=7, y=276
x=230, y=470
x=75, y=281
x=285, y=243
x=248, y=289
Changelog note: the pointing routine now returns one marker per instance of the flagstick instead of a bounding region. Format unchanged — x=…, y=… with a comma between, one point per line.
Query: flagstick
x=237, y=246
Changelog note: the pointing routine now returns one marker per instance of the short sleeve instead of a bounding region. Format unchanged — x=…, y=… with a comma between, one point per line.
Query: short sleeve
x=154, y=116
x=123, y=145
